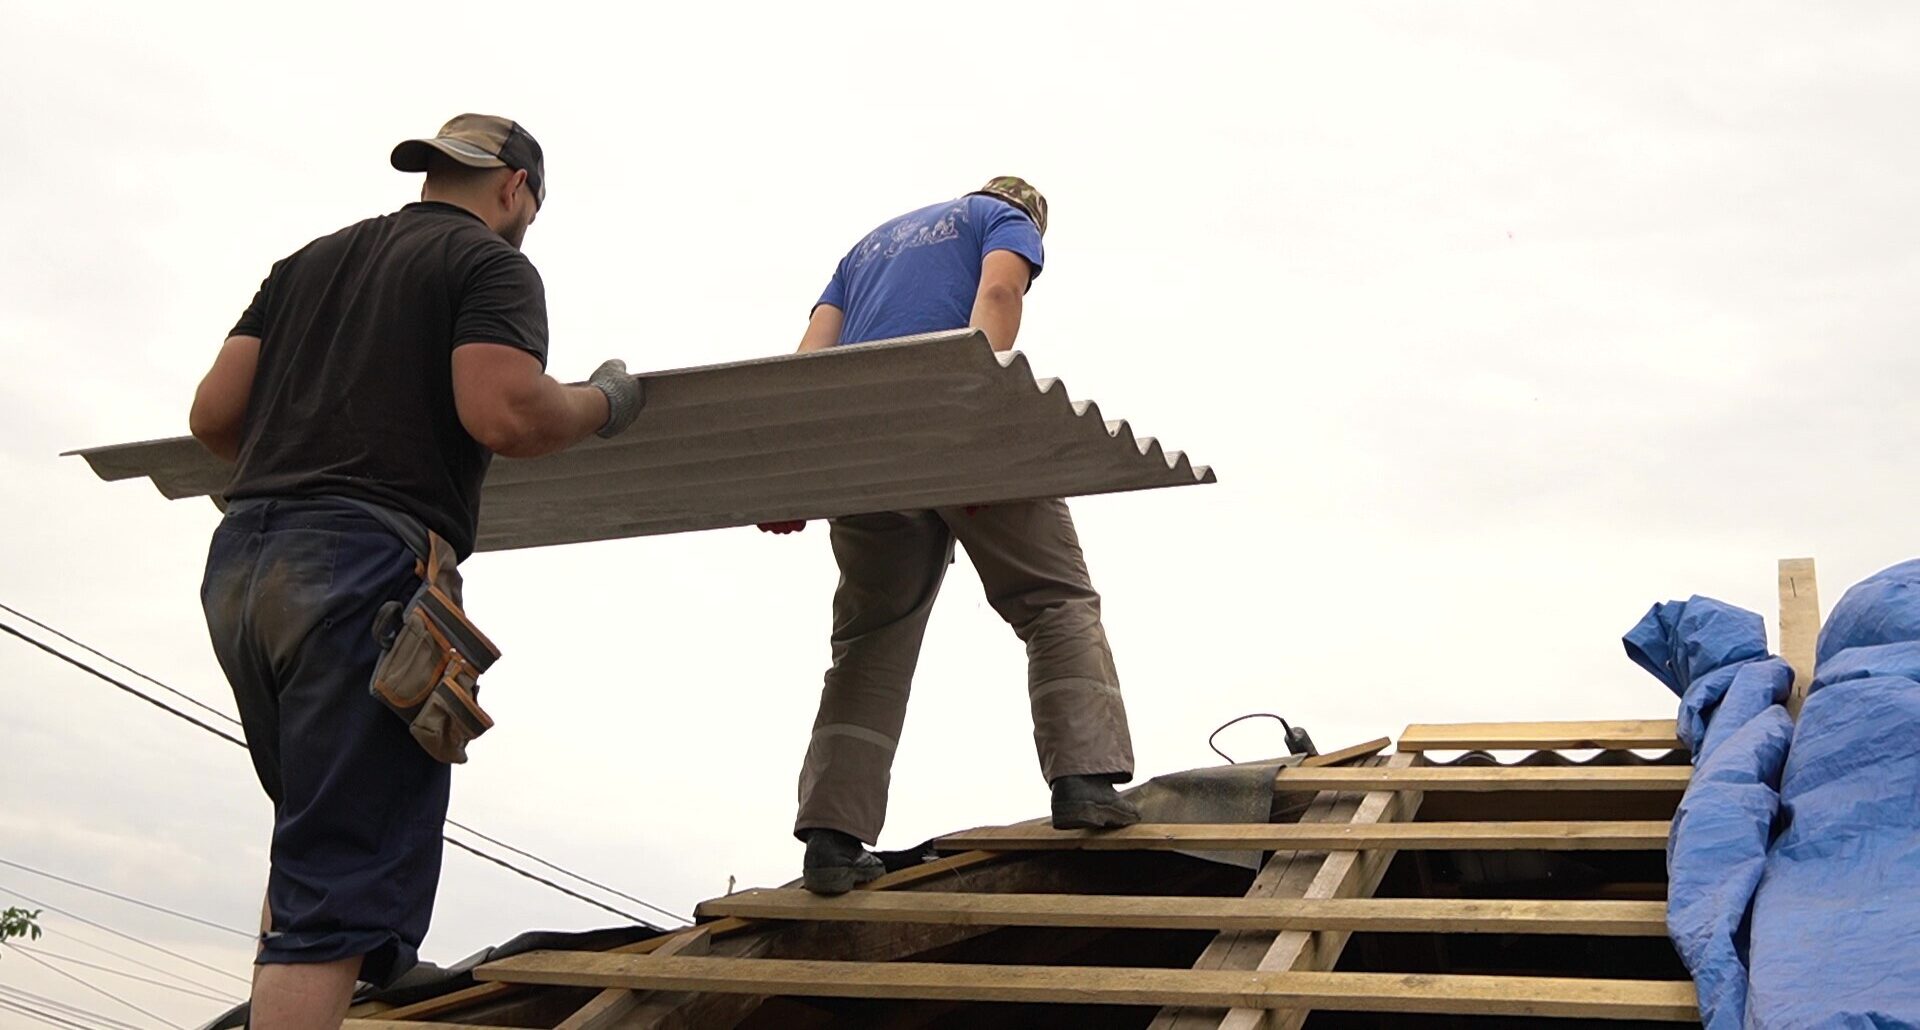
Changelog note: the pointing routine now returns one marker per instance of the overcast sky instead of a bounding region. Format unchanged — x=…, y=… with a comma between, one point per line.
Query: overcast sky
x=1499, y=322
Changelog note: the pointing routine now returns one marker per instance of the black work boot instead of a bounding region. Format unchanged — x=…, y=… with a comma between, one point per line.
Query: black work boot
x=836, y=862
x=1090, y=803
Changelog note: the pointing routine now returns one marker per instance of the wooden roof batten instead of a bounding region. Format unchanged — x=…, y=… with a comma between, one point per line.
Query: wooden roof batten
x=1272, y=959
x=1271, y=962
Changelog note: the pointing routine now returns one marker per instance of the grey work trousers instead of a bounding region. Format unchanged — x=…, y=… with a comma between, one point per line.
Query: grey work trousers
x=891, y=567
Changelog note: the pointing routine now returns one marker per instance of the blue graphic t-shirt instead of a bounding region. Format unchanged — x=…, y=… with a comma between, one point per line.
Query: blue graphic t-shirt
x=919, y=273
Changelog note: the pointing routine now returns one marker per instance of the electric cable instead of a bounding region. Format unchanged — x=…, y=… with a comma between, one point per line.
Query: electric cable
x=248, y=934
x=116, y=1000
x=231, y=739
x=110, y=971
x=66, y=1009
x=123, y=936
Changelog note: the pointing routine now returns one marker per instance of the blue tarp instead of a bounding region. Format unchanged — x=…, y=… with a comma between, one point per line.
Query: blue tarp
x=1795, y=857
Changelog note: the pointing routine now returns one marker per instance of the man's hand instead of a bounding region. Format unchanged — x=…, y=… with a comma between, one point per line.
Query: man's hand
x=783, y=528
x=625, y=396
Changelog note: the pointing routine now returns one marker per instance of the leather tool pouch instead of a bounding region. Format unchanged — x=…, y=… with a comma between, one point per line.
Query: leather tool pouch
x=432, y=657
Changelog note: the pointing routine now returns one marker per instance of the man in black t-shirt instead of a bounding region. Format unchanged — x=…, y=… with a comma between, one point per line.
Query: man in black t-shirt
x=361, y=397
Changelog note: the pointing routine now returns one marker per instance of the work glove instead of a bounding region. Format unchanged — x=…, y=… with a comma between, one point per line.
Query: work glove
x=783, y=528
x=625, y=395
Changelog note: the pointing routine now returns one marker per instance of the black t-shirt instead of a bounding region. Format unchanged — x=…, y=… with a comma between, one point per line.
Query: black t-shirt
x=354, y=393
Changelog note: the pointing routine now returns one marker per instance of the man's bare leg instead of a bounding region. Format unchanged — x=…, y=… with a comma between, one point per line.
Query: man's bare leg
x=302, y=996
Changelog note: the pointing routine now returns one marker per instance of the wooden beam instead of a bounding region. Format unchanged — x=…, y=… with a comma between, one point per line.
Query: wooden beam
x=1539, y=736
x=1342, y=874
x=616, y=1004
x=1799, y=625
x=1346, y=754
x=1376, y=915
x=1301, y=874
x=478, y=994
x=1491, y=778
x=1636, y=835
x=1348, y=992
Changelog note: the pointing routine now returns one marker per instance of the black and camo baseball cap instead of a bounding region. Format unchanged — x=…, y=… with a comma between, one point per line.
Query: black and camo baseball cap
x=1021, y=194
x=480, y=141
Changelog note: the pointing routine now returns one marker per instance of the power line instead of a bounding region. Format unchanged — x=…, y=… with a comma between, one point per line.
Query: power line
x=148, y=698
x=64, y=1009
x=123, y=936
x=638, y=901
x=462, y=845
x=29, y=956
x=163, y=706
x=183, y=695
x=248, y=934
x=150, y=967
x=42, y=1016
x=82, y=963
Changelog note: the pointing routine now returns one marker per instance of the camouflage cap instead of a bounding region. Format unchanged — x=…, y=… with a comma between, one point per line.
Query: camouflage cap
x=1021, y=194
x=480, y=141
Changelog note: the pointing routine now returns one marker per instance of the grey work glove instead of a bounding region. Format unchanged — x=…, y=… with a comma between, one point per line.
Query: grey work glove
x=625, y=396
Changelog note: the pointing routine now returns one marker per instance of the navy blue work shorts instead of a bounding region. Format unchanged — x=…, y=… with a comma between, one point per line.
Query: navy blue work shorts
x=291, y=590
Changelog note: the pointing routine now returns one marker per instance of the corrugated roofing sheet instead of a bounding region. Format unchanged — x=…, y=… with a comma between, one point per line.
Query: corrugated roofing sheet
x=916, y=423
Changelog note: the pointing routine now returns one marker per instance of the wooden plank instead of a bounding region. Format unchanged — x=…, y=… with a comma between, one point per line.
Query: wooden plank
x=1635, y=835
x=1377, y=915
x=482, y=993
x=451, y=1001
x=1342, y=874
x=1539, y=736
x=1348, y=992
x=488, y=992
x=1292, y=874
x=1490, y=778
x=1346, y=754
x=617, y=1004
x=1799, y=625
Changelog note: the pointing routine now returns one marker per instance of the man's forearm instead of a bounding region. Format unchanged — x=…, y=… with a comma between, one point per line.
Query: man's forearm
x=997, y=313
x=553, y=417
x=225, y=446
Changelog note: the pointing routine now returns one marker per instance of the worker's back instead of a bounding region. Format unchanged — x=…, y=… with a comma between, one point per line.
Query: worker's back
x=353, y=395
x=919, y=272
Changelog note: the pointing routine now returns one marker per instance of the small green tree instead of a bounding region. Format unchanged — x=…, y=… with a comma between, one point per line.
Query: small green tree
x=18, y=922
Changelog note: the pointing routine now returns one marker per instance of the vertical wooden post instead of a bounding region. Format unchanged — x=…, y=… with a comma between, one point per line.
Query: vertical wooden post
x=1799, y=625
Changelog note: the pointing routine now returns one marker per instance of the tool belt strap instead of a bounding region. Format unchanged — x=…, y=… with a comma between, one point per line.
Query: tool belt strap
x=432, y=655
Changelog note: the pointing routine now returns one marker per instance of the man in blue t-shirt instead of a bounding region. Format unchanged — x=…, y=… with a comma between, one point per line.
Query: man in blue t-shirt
x=955, y=264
